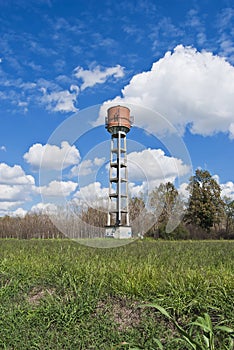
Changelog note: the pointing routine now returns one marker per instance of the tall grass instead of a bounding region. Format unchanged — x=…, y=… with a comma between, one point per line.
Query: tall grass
x=57, y=294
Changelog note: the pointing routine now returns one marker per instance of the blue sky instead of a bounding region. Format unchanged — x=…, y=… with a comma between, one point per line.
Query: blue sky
x=170, y=61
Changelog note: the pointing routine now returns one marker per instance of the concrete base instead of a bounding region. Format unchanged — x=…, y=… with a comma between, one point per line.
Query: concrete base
x=120, y=232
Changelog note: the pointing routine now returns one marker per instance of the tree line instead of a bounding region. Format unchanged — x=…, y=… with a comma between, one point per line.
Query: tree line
x=205, y=215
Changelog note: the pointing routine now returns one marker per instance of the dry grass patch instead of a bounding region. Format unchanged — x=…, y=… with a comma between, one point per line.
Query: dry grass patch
x=37, y=294
x=124, y=312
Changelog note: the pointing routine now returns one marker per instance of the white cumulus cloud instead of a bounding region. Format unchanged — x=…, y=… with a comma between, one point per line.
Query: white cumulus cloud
x=15, y=186
x=93, y=195
x=148, y=168
x=137, y=190
x=227, y=190
x=184, y=192
x=20, y=212
x=51, y=156
x=5, y=206
x=12, y=192
x=83, y=169
x=58, y=188
x=87, y=167
x=99, y=161
x=97, y=75
x=14, y=175
x=189, y=88
x=46, y=208
x=154, y=165
x=60, y=101
x=231, y=130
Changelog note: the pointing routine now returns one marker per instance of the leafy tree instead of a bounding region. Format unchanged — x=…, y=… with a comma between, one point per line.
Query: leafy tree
x=229, y=216
x=205, y=208
x=162, y=202
x=94, y=216
x=168, y=194
x=138, y=215
x=136, y=207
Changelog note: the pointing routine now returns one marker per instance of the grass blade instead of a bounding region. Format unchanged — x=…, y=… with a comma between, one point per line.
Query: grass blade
x=157, y=341
x=225, y=329
x=159, y=308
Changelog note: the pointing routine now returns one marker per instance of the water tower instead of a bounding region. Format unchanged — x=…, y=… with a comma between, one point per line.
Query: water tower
x=118, y=124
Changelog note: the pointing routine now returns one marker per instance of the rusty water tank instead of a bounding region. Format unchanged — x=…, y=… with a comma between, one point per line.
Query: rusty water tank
x=118, y=119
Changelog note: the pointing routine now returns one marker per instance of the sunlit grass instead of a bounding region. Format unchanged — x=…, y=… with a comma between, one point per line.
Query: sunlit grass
x=58, y=294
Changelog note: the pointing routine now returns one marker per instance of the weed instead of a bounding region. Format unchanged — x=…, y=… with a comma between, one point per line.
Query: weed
x=205, y=340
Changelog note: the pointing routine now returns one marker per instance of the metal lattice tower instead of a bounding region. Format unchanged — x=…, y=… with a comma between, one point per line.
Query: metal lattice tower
x=118, y=123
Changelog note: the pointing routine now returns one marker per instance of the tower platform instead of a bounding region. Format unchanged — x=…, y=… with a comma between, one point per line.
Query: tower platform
x=120, y=232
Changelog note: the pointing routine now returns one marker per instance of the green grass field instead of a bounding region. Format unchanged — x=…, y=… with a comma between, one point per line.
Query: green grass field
x=57, y=294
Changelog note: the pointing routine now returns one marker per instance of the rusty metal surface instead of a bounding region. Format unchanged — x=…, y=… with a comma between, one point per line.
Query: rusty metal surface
x=118, y=116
